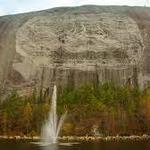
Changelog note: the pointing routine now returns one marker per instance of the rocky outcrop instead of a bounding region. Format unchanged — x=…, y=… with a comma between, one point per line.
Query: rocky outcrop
x=71, y=46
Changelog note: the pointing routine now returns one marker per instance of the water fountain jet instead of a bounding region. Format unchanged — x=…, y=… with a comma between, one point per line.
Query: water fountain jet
x=52, y=126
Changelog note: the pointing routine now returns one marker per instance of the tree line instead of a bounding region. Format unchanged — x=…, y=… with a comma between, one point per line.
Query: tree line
x=112, y=109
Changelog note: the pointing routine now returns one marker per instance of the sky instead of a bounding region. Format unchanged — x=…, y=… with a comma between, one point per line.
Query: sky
x=20, y=6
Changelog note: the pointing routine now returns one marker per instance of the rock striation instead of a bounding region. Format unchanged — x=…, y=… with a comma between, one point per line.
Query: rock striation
x=71, y=46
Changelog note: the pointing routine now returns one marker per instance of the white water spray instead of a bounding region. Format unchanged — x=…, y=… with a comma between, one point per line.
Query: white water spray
x=52, y=126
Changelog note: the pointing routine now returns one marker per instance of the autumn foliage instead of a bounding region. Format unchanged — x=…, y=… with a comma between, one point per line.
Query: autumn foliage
x=112, y=109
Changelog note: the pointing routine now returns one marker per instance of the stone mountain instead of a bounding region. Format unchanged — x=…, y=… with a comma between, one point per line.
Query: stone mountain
x=70, y=46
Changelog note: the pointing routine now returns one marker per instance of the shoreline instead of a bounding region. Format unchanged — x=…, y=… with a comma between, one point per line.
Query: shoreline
x=83, y=138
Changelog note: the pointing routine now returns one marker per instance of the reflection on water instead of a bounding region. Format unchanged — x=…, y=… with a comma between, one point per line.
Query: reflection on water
x=58, y=146
x=27, y=145
x=50, y=147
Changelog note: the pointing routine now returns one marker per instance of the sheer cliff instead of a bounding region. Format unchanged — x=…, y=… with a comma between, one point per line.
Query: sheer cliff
x=70, y=46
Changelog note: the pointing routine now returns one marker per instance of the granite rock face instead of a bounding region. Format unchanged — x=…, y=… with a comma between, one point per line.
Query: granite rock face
x=73, y=46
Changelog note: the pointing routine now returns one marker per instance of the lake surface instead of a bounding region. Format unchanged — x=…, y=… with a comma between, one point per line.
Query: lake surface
x=27, y=145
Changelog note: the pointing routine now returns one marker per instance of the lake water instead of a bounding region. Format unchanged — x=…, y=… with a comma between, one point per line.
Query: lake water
x=27, y=145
